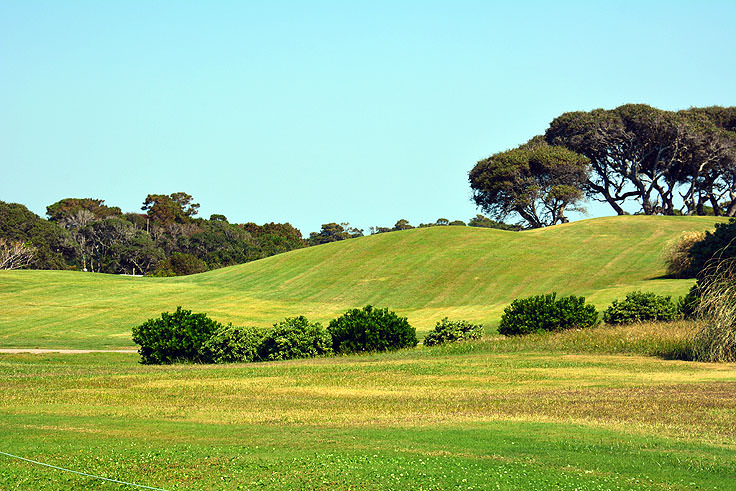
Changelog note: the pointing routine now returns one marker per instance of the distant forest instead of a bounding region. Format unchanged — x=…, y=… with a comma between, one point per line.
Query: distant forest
x=166, y=239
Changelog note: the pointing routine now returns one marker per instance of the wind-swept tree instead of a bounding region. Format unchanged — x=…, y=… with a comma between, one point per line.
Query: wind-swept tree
x=653, y=157
x=535, y=181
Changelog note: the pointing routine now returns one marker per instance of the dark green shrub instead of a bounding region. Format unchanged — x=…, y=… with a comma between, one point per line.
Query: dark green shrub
x=546, y=313
x=173, y=337
x=718, y=245
x=180, y=264
x=231, y=344
x=447, y=331
x=371, y=329
x=641, y=306
x=295, y=337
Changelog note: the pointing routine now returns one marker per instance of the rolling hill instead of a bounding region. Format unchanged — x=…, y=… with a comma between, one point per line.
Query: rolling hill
x=425, y=274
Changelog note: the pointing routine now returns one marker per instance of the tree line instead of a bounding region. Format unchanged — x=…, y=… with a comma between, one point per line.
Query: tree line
x=165, y=239
x=660, y=162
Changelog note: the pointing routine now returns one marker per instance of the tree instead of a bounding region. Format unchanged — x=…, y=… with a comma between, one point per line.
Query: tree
x=536, y=181
x=402, y=224
x=104, y=239
x=61, y=211
x=15, y=254
x=53, y=245
x=332, y=232
x=649, y=156
x=138, y=254
x=485, y=222
x=163, y=209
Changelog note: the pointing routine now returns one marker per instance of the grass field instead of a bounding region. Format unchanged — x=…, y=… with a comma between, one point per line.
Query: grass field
x=425, y=274
x=498, y=414
x=600, y=408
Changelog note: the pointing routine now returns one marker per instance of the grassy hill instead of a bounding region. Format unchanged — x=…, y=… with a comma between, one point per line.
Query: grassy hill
x=426, y=274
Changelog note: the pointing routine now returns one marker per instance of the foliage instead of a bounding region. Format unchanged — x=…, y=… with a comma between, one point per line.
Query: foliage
x=176, y=207
x=295, y=337
x=15, y=254
x=63, y=210
x=371, y=329
x=230, y=344
x=677, y=254
x=447, y=331
x=173, y=337
x=718, y=245
x=536, y=181
x=275, y=238
x=333, y=232
x=641, y=306
x=546, y=313
x=53, y=246
x=651, y=156
x=485, y=222
x=180, y=264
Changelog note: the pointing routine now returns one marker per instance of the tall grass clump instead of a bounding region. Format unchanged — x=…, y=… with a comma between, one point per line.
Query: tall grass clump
x=716, y=309
x=677, y=254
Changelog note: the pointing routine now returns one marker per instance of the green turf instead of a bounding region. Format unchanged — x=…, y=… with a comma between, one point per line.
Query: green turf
x=437, y=419
x=425, y=274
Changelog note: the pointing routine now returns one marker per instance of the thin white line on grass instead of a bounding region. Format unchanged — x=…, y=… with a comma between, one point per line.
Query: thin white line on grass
x=82, y=473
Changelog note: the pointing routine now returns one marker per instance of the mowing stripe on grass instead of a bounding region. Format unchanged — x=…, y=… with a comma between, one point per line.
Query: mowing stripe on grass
x=81, y=473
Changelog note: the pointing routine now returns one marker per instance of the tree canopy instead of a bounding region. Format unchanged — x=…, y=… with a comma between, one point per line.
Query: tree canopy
x=667, y=162
x=536, y=181
x=664, y=162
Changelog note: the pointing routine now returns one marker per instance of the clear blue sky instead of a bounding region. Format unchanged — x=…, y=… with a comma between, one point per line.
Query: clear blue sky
x=313, y=112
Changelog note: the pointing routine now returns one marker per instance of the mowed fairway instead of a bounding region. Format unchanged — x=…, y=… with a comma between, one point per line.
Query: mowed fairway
x=425, y=274
x=475, y=416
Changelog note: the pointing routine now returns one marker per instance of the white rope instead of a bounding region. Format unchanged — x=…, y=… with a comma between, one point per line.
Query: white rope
x=82, y=473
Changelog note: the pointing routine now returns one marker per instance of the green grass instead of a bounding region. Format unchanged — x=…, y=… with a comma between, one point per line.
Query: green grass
x=425, y=274
x=523, y=413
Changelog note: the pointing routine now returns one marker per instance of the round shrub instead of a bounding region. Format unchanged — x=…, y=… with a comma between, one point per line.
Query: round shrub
x=371, y=329
x=295, y=337
x=447, y=331
x=546, y=313
x=173, y=337
x=231, y=344
x=641, y=306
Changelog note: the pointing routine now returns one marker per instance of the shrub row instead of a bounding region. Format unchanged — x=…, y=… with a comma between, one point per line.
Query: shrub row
x=184, y=336
x=549, y=313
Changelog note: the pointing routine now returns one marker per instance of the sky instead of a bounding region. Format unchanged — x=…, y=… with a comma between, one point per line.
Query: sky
x=316, y=112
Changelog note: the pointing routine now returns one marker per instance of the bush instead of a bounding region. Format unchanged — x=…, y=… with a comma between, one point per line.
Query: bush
x=546, y=313
x=447, y=331
x=173, y=337
x=295, y=337
x=371, y=329
x=641, y=306
x=180, y=264
x=231, y=344
x=677, y=254
x=715, y=247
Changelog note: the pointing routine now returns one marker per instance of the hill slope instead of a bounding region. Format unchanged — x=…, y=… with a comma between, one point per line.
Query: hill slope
x=427, y=274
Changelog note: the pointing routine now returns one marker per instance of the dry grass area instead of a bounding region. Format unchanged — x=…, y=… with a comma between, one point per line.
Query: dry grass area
x=538, y=378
